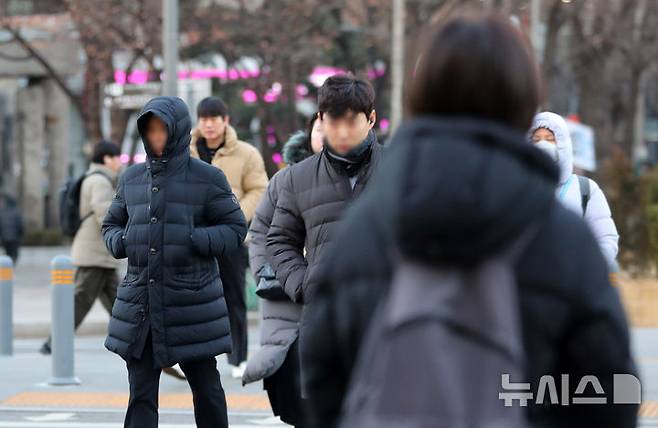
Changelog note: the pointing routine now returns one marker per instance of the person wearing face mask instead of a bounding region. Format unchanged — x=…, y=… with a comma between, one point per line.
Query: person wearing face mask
x=582, y=195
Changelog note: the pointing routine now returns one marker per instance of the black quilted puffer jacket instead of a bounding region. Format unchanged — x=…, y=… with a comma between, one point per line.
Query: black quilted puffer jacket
x=171, y=217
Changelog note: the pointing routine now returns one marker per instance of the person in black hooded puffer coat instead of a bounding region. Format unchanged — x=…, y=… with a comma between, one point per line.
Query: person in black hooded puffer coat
x=171, y=217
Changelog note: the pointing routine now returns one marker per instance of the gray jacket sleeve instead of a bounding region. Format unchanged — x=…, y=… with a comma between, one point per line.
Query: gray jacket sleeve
x=285, y=241
x=260, y=224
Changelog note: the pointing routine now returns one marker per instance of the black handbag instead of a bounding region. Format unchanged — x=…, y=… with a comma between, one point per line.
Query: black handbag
x=269, y=287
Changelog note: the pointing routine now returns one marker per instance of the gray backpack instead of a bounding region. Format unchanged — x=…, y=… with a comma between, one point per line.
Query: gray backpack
x=437, y=349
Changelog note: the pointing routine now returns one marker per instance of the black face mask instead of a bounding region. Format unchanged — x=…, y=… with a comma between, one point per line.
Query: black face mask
x=352, y=161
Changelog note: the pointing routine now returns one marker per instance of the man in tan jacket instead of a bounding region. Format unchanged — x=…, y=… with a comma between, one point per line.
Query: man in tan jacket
x=216, y=142
x=96, y=273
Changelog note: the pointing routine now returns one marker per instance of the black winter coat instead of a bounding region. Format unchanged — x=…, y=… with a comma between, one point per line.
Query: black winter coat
x=11, y=222
x=455, y=192
x=171, y=217
x=312, y=199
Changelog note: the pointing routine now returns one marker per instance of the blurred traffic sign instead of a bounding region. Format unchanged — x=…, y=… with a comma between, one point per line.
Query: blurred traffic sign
x=584, y=150
x=135, y=96
x=130, y=96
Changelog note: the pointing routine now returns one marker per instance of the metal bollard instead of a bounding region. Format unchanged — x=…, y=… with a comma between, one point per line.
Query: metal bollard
x=62, y=293
x=6, y=303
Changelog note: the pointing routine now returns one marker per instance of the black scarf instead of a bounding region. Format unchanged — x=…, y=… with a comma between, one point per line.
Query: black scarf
x=352, y=161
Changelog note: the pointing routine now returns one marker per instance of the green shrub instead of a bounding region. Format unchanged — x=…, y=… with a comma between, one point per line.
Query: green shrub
x=633, y=199
x=44, y=238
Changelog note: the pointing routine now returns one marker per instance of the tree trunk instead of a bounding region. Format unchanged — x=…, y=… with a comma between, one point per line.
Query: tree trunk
x=30, y=112
x=91, y=105
x=119, y=125
x=57, y=140
x=634, y=142
x=593, y=108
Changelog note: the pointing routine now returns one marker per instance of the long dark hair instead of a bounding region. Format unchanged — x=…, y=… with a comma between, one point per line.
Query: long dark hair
x=476, y=65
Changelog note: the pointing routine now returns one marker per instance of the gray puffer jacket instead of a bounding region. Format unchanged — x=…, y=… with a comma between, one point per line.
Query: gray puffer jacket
x=279, y=319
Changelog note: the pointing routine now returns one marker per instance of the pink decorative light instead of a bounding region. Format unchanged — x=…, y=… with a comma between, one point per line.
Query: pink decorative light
x=142, y=76
x=271, y=140
x=249, y=96
x=322, y=73
x=138, y=158
x=270, y=97
x=302, y=90
x=120, y=77
x=317, y=77
x=384, y=124
x=277, y=158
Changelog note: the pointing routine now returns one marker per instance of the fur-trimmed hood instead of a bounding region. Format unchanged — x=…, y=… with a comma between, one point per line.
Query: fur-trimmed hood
x=296, y=149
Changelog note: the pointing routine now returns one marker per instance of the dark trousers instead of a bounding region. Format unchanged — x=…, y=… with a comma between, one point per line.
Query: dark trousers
x=12, y=248
x=232, y=270
x=202, y=375
x=93, y=283
x=284, y=389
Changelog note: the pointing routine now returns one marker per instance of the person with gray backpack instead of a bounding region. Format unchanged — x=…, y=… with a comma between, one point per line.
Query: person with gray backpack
x=459, y=293
x=83, y=204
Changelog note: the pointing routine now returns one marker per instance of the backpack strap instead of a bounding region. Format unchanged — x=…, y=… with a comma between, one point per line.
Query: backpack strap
x=82, y=220
x=99, y=173
x=585, y=192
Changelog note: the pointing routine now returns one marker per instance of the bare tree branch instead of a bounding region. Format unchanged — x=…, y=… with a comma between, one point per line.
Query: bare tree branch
x=52, y=73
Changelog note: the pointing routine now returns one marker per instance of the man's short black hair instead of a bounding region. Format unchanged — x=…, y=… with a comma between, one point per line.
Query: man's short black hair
x=105, y=148
x=212, y=107
x=342, y=93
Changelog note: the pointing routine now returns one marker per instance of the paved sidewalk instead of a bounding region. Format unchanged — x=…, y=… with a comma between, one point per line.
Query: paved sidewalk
x=32, y=304
x=26, y=399
x=32, y=311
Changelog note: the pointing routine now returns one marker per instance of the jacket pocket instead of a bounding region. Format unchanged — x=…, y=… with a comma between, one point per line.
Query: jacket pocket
x=130, y=279
x=126, y=234
x=189, y=280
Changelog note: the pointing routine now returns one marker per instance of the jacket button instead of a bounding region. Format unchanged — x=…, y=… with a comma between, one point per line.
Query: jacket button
x=155, y=189
x=153, y=251
x=151, y=281
x=154, y=219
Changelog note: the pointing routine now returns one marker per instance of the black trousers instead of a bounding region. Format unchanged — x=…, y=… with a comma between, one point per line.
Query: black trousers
x=284, y=390
x=202, y=375
x=232, y=270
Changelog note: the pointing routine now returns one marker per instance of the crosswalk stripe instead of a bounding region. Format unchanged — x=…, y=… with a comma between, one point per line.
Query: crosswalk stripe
x=120, y=400
x=11, y=424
